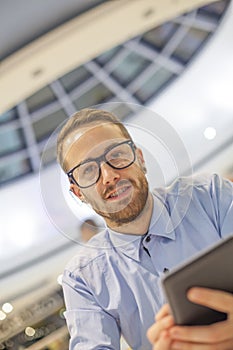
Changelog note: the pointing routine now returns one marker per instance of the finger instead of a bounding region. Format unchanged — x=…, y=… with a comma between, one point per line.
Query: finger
x=164, y=342
x=214, y=333
x=178, y=345
x=215, y=299
x=155, y=330
x=164, y=311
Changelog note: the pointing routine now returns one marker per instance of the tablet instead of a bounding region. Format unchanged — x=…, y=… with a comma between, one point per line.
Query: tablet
x=212, y=268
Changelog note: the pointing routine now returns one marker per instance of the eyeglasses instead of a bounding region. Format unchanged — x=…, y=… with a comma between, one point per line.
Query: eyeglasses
x=119, y=156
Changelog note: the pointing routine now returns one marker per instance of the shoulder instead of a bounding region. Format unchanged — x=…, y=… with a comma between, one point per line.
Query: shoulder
x=95, y=250
x=198, y=184
x=209, y=194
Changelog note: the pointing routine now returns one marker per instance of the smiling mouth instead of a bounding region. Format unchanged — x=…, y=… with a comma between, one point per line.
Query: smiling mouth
x=119, y=193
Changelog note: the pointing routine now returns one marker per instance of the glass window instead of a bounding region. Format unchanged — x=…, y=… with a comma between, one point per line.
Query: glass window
x=49, y=155
x=214, y=10
x=75, y=78
x=121, y=110
x=107, y=56
x=41, y=98
x=98, y=94
x=11, y=140
x=129, y=68
x=154, y=84
x=8, y=116
x=159, y=36
x=190, y=44
x=45, y=126
x=14, y=168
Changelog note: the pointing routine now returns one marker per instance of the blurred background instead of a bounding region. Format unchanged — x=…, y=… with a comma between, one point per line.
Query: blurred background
x=164, y=67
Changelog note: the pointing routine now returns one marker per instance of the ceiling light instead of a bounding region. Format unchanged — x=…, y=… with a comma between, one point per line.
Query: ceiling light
x=37, y=72
x=149, y=12
x=59, y=279
x=7, y=308
x=210, y=133
x=61, y=313
x=2, y=315
x=29, y=331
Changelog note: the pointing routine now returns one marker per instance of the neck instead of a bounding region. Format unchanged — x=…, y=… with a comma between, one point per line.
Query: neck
x=140, y=225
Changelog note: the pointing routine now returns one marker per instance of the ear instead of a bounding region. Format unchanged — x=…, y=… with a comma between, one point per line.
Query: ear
x=141, y=160
x=77, y=192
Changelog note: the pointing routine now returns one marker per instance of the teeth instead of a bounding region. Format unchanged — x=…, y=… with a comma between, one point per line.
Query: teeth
x=117, y=193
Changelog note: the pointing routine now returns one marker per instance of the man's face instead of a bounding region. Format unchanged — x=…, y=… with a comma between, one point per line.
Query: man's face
x=119, y=195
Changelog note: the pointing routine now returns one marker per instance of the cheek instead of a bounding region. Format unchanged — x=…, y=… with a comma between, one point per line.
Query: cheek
x=136, y=171
x=92, y=194
x=139, y=166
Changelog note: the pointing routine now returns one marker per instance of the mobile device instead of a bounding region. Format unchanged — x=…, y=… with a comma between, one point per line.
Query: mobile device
x=212, y=268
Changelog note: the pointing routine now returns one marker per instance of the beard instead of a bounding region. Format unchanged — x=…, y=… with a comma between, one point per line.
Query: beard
x=127, y=210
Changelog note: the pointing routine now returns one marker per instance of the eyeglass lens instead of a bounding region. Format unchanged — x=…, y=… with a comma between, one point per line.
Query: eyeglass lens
x=119, y=157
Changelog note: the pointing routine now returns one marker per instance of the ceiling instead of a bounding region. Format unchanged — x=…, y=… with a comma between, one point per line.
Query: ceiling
x=35, y=35
x=23, y=22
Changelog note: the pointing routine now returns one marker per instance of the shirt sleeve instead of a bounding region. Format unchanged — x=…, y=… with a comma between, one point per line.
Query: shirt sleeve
x=90, y=326
x=221, y=191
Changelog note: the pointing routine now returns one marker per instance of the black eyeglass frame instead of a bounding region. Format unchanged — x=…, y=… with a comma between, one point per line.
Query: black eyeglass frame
x=101, y=159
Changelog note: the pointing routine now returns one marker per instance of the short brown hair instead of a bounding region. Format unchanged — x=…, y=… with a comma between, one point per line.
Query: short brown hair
x=81, y=118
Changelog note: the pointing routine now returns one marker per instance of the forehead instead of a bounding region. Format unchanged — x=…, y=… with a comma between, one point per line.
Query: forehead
x=90, y=142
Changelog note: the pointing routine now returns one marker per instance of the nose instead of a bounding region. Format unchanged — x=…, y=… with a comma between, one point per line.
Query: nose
x=109, y=174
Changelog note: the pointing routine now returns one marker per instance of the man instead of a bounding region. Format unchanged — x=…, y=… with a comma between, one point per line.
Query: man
x=113, y=287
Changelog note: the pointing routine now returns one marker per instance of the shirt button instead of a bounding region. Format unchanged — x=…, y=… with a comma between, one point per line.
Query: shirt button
x=148, y=238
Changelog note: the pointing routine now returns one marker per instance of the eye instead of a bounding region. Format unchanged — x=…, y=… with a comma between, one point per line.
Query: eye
x=88, y=169
x=120, y=155
x=117, y=154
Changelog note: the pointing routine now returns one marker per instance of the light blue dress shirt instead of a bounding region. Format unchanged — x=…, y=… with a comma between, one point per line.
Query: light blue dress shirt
x=113, y=287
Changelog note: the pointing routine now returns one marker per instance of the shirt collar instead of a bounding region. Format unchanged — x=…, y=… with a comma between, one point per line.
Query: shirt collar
x=161, y=222
x=160, y=225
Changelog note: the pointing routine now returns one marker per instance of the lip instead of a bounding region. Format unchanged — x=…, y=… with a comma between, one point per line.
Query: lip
x=122, y=191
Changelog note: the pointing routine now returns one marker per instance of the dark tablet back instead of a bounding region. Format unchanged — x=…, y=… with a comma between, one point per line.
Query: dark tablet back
x=211, y=269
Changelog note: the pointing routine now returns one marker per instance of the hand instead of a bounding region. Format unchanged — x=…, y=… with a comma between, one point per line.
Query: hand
x=164, y=335
x=158, y=333
x=217, y=336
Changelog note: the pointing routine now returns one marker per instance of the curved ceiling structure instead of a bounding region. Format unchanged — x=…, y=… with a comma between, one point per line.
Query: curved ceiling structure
x=73, y=43
x=131, y=71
